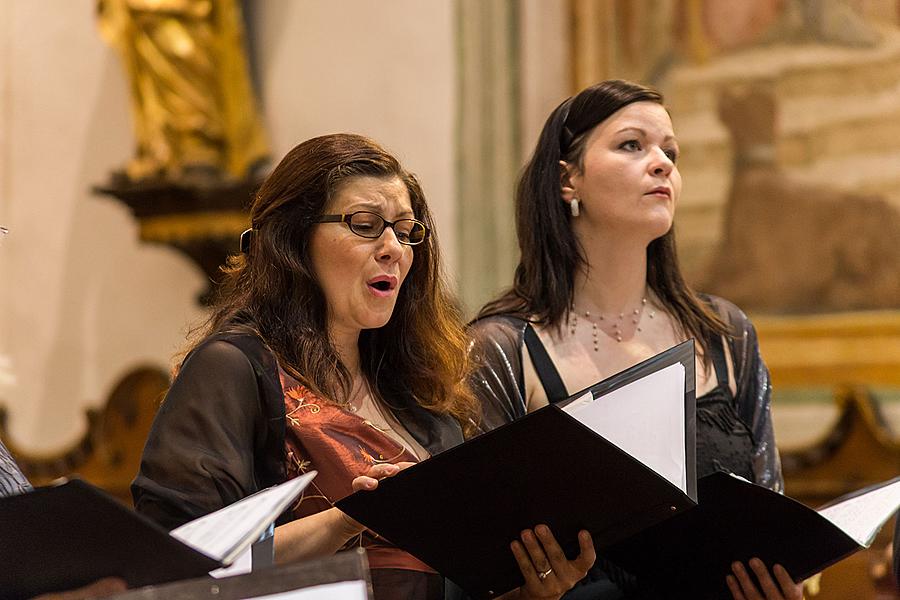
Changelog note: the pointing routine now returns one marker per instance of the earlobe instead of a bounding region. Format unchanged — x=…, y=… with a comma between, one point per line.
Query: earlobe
x=567, y=191
x=566, y=188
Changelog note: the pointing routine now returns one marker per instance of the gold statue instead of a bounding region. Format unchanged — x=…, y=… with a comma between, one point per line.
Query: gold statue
x=195, y=114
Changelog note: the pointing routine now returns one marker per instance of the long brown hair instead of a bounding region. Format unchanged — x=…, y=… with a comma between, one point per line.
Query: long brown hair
x=544, y=282
x=418, y=356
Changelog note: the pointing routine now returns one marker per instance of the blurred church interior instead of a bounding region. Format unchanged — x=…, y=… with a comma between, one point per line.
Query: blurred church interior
x=118, y=222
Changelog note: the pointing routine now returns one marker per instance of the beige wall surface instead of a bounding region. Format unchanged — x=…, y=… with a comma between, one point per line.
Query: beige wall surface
x=81, y=300
x=386, y=70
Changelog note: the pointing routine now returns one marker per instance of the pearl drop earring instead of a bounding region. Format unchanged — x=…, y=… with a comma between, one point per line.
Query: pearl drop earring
x=573, y=206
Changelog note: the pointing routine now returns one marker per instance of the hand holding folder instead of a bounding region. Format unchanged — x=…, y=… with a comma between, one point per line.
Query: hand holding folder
x=573, y=466
x=459, y=510
x=689, y=555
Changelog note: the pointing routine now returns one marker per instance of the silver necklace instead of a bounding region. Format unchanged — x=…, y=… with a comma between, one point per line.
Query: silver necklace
x=359, y=395
x=612, y=326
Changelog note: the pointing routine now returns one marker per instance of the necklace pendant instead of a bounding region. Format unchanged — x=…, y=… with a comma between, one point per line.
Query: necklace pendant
x=616, y=329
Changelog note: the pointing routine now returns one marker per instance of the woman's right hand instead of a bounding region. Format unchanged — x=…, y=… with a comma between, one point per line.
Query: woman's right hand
x=781, y=587
x=547, y=572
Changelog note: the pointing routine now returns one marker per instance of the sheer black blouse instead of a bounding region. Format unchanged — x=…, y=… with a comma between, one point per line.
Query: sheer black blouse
x=219, y=434
x=498, y=382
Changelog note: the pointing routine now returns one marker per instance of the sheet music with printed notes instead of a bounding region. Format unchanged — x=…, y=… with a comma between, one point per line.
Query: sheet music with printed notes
x=862, y=515
x=226, y=533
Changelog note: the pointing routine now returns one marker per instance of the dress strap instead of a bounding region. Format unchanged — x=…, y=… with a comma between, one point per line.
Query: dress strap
x=717, y=350
x=546, y=371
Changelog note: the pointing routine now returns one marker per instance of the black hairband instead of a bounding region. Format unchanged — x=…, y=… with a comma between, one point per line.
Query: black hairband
x=246, y=238
x=565, y=134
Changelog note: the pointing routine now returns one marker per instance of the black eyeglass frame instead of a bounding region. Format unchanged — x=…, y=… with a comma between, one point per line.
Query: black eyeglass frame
x=348, y=217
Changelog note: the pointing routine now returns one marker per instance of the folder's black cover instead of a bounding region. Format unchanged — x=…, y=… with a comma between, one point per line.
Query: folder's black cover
x=459, y=511
x=67, y=536
x=689, y=555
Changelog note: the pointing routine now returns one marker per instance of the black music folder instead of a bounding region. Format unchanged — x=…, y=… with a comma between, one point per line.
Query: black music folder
x=459, y=510
x=66, y=536
x=688, y=556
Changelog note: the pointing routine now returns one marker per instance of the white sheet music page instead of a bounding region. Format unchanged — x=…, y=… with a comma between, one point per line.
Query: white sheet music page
x=645, y=419
x=861, y=517
x=224, y=534
x=241, y=565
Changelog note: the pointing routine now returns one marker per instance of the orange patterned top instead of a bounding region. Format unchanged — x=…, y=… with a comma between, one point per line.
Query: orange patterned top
x=340, y=445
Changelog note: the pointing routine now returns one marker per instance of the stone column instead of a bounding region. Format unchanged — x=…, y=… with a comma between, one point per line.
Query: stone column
x=488, y=148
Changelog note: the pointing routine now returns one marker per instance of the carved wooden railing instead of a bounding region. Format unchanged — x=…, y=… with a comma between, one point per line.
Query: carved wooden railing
x=109, y=452
x=851, y=354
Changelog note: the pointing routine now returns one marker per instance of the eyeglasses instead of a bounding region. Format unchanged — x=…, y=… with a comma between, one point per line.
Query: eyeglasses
x=371, y=225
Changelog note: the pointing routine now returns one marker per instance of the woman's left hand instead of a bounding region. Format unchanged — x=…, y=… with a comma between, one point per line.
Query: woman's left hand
x=369, y=481
x=742, y=587
x=547, y=571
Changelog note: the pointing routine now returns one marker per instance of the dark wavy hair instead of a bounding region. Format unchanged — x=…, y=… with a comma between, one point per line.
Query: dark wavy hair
x=418, y=356
x=544, y=282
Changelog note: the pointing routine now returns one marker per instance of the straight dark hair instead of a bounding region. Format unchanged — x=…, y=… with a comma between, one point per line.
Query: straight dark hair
x=418, y=356
x=544, y=281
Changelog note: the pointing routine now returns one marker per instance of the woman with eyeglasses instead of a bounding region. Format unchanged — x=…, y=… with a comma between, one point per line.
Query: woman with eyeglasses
x=335, y=346
x=598, y=289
